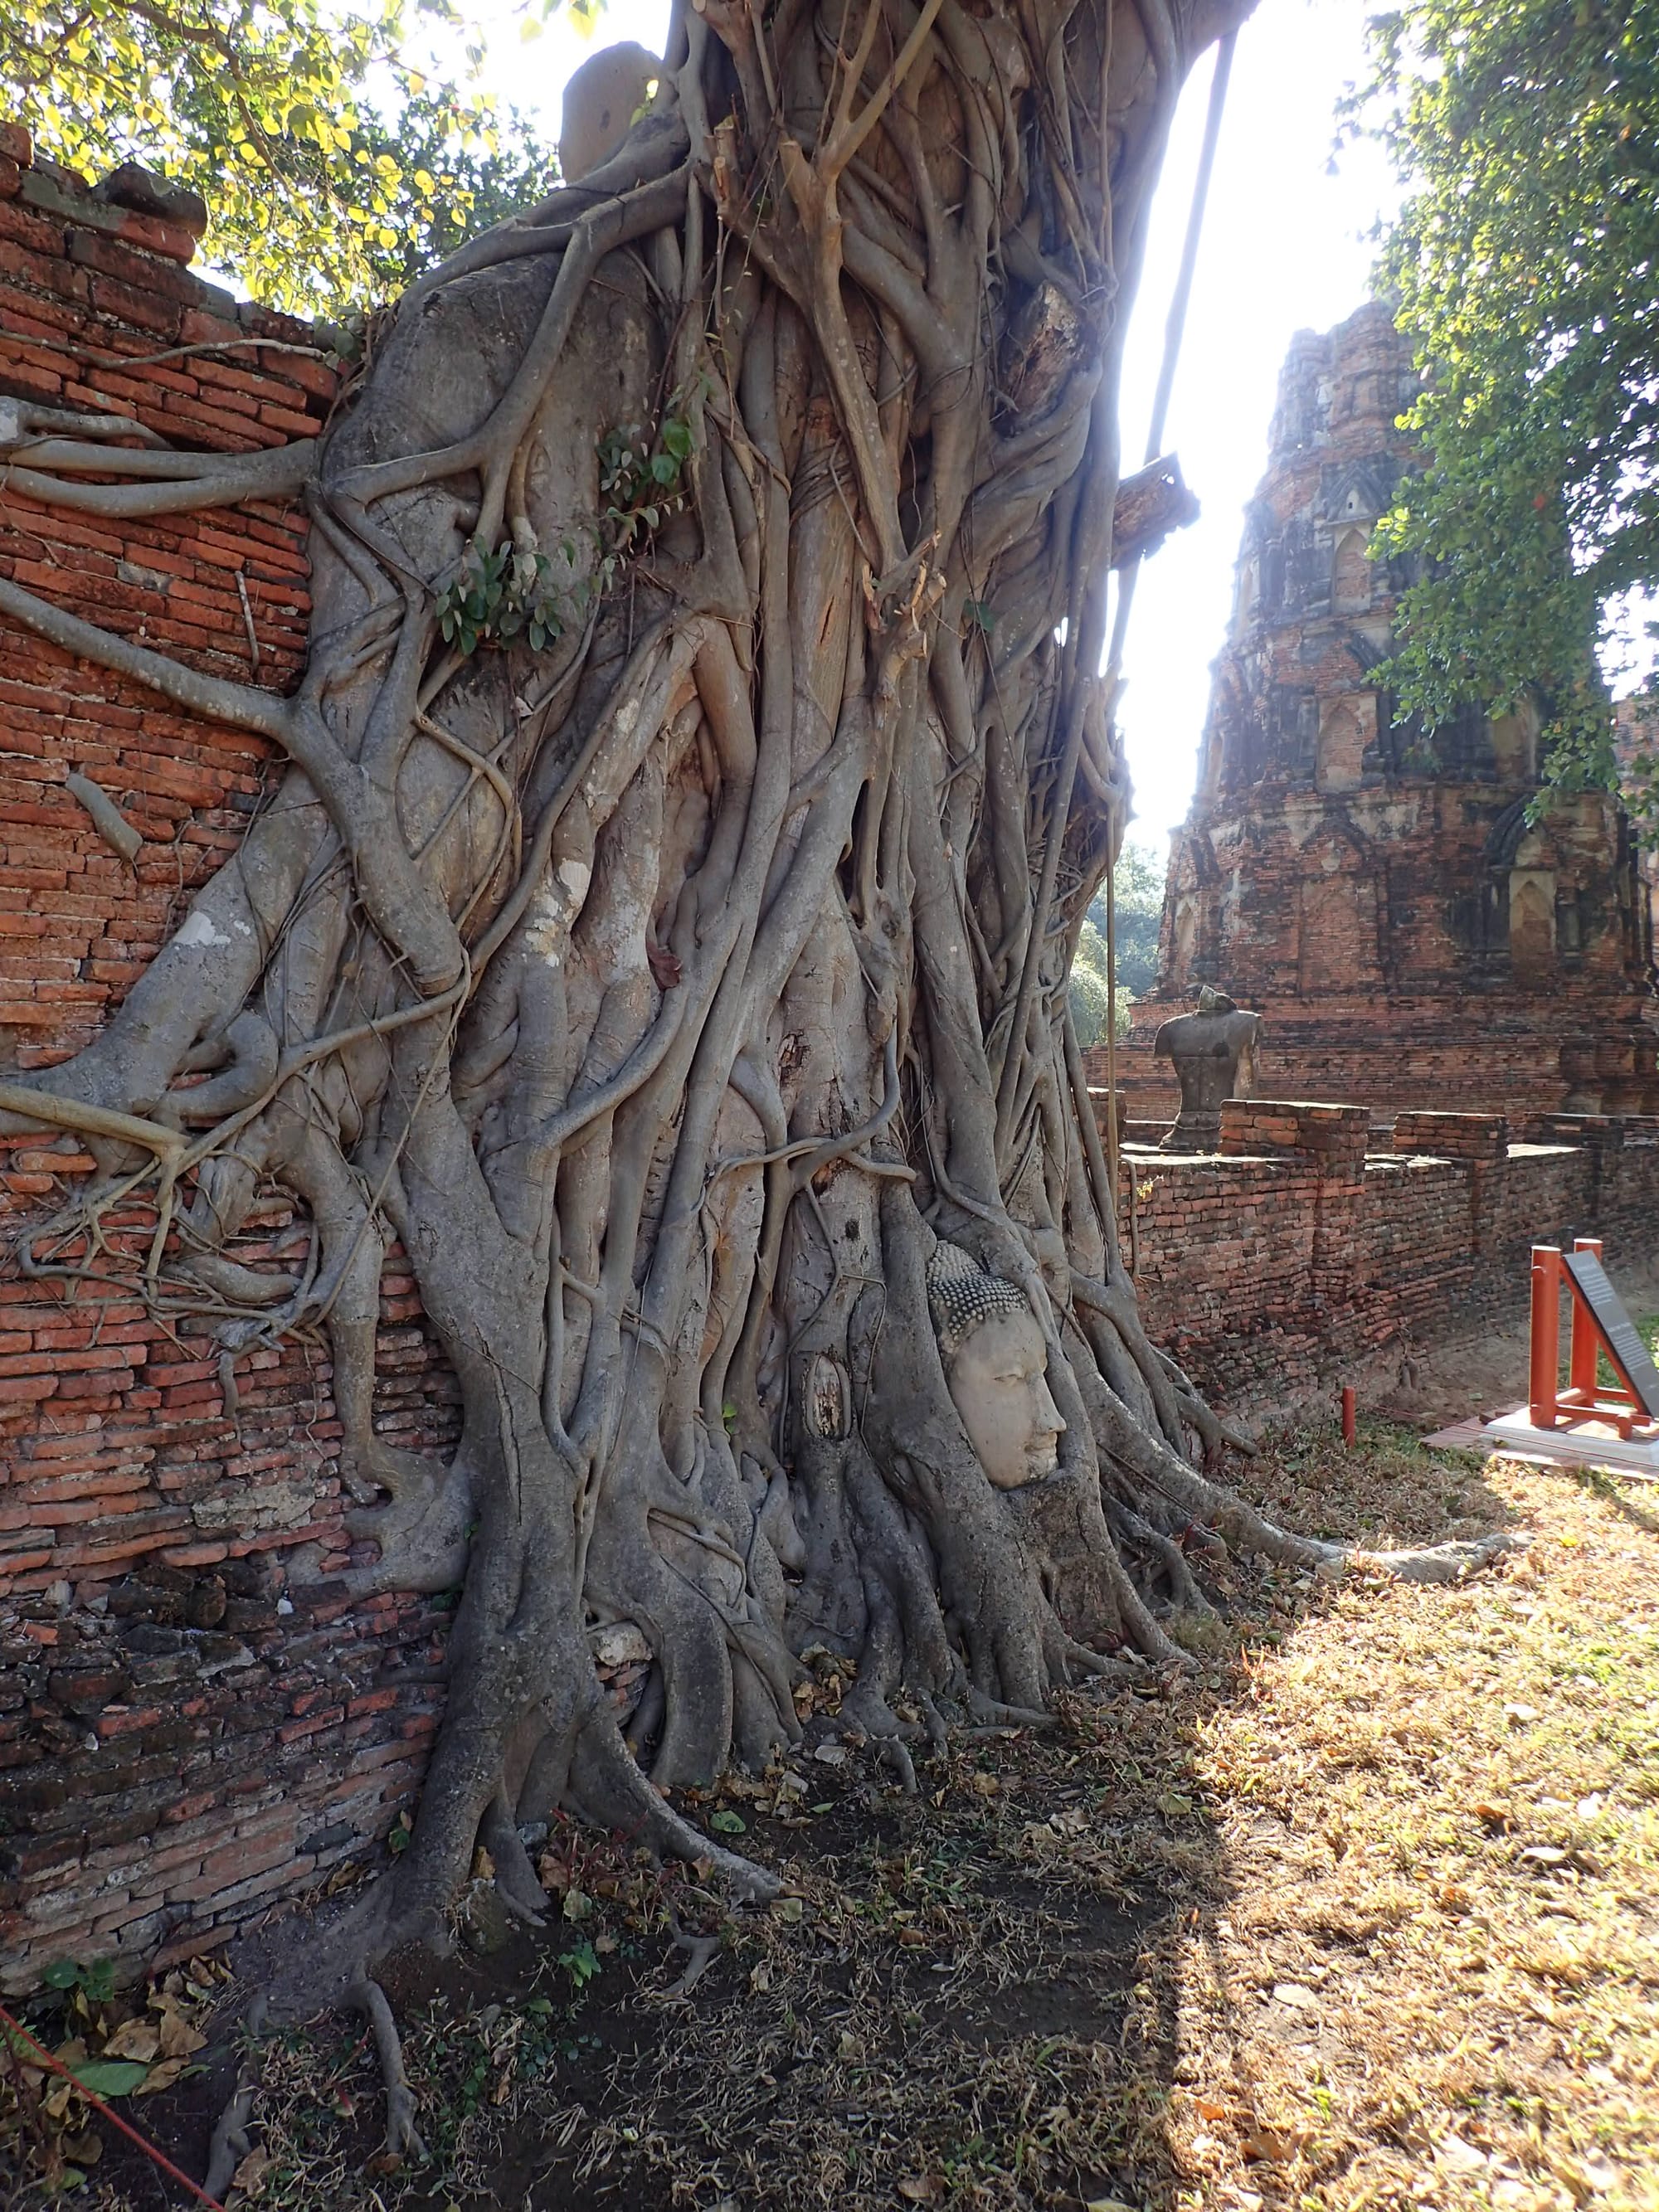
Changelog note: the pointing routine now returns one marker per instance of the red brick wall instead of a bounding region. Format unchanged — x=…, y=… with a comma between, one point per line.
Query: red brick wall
x=182, y=1740
x=184, y=1735
x=1290, y=1261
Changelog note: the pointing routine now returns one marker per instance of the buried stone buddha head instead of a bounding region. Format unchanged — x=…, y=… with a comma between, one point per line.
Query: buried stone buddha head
x=996, y=1368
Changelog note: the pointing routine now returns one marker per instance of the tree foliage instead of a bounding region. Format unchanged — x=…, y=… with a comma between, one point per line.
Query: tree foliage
x=334, y=168
x=1526, y=263
x=1087, y=988
x=1137, y=910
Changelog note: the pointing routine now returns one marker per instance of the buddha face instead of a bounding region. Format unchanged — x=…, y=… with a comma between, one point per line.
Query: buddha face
x=999, y=1385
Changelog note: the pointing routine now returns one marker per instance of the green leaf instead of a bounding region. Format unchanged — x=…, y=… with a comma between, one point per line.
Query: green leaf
x=665, y=468
x=677, y=439
x=109, y=2077
x=334, y=172
x=582, y=1963
x=728, y=1823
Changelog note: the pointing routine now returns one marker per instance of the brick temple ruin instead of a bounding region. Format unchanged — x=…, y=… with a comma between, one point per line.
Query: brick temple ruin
x=1379, y=895
x=188, y=1737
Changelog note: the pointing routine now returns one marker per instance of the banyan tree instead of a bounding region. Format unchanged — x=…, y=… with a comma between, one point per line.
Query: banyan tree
x=700, y=775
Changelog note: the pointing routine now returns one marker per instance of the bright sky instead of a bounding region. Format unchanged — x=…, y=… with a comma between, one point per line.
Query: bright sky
x=1284, y=248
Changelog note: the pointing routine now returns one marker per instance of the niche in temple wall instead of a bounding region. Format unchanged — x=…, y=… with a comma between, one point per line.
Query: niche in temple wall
x=1532, y=922
x=1248, y=596
x=1350, y=573
x=1346, y=726
x=1336, y=917
x=1183, y=938
x=1573, y=923
x=1532, y=910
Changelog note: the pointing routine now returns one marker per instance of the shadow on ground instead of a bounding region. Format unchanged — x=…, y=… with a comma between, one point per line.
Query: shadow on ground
x=1169, y=1953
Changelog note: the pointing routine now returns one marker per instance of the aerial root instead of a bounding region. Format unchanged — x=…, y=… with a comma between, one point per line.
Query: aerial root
x=515, y=1878
x=1106, y=1669
x=401, y=2137
x=1184, y=1592
x=607, y=1789
x=898, y=1756
x=1441, y=1563
x=995, y=1714
x=230, y=2144
x=701, y=1951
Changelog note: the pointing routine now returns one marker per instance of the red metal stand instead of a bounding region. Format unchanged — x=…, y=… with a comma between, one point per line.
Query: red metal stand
x=1548, y=1404
x=1543, y=1359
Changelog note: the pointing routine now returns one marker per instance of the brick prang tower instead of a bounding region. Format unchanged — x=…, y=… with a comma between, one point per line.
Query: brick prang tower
x=1380, y=893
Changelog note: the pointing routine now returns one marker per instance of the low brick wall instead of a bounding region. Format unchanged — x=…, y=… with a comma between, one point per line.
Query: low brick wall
x=1492, y=1053
x=182, y=1740
x=1285, y=1263
x=186, y=1735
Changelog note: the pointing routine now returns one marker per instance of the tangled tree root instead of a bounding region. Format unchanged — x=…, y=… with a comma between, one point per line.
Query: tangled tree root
x=699, y=777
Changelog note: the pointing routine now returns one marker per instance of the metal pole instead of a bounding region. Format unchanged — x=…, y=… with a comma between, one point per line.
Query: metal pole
x=1111, y=1026
x=1176, y=325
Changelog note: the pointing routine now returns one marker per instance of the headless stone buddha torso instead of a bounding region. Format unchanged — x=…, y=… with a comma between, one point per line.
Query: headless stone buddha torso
x=1213, y=1051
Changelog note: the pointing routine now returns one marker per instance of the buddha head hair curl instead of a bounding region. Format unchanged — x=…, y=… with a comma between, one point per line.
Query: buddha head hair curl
x=961, y=1297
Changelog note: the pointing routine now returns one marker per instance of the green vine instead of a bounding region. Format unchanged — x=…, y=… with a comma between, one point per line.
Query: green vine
x=643, y=482
x=516, y=591
x=510, y=593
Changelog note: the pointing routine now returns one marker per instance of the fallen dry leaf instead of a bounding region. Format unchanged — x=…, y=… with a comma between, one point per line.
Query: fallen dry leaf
x=178, y=2039
x=1269, y=2146
x=1458, y=2156
x=134, y=2038
x=250, y=2175
x=161, y=2076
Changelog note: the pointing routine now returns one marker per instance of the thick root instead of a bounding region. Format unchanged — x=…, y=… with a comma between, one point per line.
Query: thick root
x=401, y=2137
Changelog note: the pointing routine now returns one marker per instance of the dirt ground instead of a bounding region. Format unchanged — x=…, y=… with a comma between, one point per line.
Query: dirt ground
x=1364, y=1914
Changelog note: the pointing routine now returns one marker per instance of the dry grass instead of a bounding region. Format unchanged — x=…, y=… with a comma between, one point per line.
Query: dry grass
x=1367, y=1917
x=1439, y=1814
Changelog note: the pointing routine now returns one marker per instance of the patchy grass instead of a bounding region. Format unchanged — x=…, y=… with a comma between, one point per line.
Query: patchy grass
x=1439, y=1812
x=1365, y=1916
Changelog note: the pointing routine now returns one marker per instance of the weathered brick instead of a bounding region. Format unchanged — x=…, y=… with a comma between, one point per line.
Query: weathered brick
x=1411, y=935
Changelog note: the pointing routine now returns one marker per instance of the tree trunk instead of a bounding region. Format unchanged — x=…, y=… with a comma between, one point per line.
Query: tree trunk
x=699, y=779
